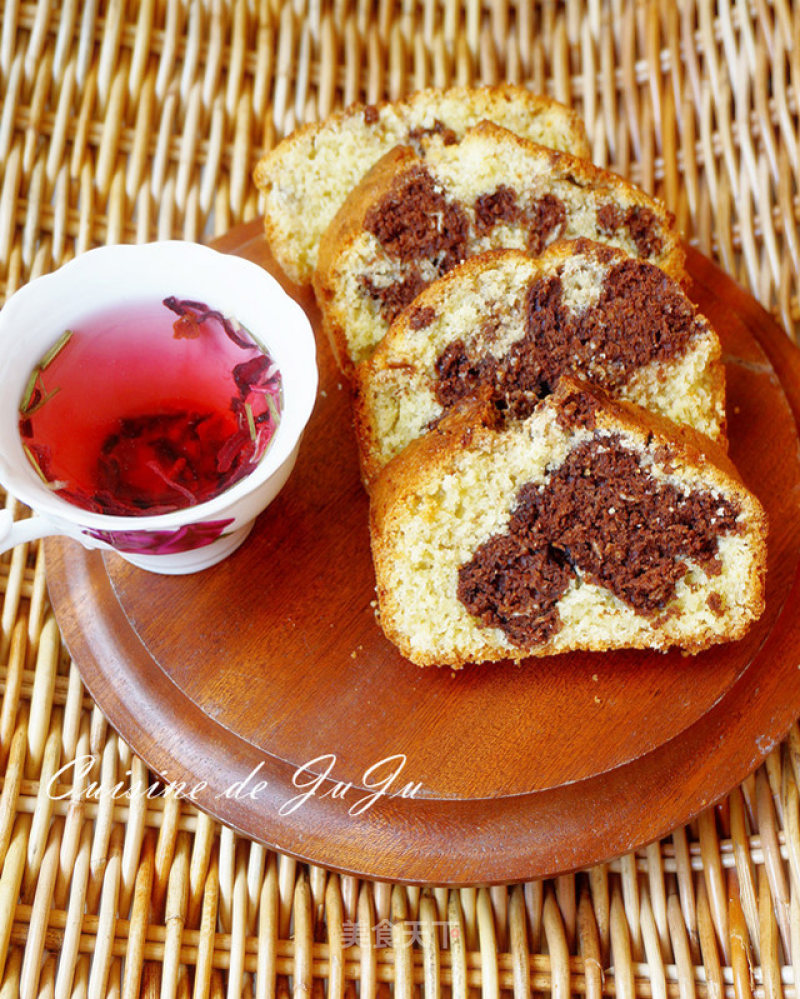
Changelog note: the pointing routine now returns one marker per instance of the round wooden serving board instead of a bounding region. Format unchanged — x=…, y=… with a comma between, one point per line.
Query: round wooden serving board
x=267, y=681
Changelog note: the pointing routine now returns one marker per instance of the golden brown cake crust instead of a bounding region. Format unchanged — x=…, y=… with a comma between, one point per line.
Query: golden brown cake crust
x=472, y=420
x=475, y=422
x=403, y=337
x=345, y=227
x=573, y=123
x=348, y=225
x=272, y=171
x=431, y=458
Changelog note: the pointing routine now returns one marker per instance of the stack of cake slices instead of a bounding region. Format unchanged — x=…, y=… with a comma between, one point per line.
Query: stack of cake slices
x=540, y=409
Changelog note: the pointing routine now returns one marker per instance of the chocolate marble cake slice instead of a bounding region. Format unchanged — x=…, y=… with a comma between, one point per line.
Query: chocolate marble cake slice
x=307, y=176
x=513, y=324
x=411, y=220
x=590, y=525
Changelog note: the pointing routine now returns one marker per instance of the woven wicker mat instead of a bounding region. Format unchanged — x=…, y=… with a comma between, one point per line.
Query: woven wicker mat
x=125, y=121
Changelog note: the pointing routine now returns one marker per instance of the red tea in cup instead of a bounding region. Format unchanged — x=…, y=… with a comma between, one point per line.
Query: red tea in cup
x=150, y=408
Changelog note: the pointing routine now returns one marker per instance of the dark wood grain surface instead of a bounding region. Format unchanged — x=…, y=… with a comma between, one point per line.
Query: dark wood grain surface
x=273, y=659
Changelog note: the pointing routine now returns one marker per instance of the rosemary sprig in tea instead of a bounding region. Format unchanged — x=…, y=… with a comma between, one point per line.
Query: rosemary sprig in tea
x=35, y=462
x=27, y=395
x=55, y=350
x=38, y=405
x=25, y=407
x=251, y=423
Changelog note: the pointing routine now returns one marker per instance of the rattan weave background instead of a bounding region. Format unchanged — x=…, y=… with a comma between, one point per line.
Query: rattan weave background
x=122, y=121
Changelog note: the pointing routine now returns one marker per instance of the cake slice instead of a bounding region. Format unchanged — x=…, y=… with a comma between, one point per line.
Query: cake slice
x=590, y=525
x=411, y=220
x=307, y=176
x=515, y=324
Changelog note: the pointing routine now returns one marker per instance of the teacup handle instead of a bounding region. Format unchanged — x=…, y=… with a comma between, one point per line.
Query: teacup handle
x=17, y=532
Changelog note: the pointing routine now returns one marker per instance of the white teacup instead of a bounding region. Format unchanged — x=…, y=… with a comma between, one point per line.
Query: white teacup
x=34, y=318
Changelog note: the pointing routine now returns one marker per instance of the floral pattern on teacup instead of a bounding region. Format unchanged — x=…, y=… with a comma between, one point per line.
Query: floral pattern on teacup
x=184, y=539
